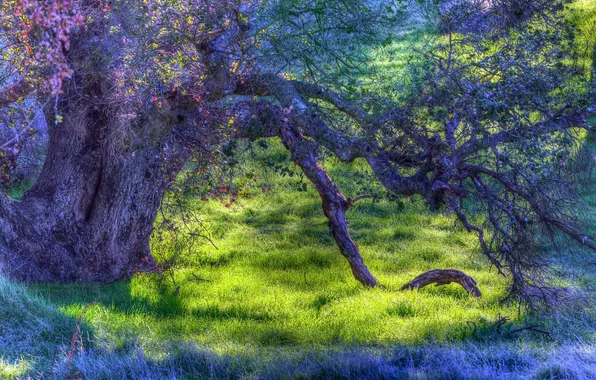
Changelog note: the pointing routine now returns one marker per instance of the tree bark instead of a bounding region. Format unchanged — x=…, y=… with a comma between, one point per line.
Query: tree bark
x=335, y=204
x=443, y=277
x=89, y=216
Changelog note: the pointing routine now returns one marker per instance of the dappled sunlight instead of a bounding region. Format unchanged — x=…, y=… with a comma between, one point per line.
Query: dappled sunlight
x=18, y=368
x=276, y=279
x=276, y=283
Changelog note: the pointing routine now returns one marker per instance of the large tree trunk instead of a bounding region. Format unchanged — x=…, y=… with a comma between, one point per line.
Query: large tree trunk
x=90, y=214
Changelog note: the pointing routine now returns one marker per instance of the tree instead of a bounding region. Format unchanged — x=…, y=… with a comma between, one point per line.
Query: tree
x=137, y=88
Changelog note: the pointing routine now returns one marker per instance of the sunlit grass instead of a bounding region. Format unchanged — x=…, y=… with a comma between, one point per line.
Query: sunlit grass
x=582, y=14
x=9, y=370
x=277, y=279
x=277, y=283
x=276, y=289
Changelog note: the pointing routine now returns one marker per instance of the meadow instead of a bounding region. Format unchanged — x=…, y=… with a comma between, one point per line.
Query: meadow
x=274, y=299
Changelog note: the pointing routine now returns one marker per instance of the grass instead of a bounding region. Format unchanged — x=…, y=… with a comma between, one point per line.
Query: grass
x=276, y=300
x=582, y=14
x=277, y=279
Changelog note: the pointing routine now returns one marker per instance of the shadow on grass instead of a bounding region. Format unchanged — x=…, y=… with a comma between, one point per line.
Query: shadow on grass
x=117, y=296
x=435, y=361
x=33, y=332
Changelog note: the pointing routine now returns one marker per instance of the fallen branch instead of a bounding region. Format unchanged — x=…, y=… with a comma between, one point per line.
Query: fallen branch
x=532, y=328
x=443, y=277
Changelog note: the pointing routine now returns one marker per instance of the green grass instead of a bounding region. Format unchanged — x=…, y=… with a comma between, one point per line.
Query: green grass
x=276, y=293
x=582, y=14
x=277, y=279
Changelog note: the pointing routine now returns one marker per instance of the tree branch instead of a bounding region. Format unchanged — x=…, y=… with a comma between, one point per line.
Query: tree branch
x=348, y=107
x=16, y=92
x=334, y=203
x=584, y=239
x=352, y=201
x=557, y=124
x=444, y=277
x=344, y=148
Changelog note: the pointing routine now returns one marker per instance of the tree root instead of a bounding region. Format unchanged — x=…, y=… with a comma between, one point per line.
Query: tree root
x=443, y=277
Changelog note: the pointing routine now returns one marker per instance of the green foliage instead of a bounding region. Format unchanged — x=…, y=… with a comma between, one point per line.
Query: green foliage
x=276, y=300
x=16, y=190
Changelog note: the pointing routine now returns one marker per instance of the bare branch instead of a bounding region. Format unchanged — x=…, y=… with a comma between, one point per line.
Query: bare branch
x=443, y=277
x=352, y=201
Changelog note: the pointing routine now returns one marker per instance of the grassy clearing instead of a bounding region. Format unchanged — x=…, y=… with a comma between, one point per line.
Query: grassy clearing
x=276, y=279
x=276, y=300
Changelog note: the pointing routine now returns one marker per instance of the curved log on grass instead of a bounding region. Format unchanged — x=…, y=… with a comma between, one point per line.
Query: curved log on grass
x=443, y=277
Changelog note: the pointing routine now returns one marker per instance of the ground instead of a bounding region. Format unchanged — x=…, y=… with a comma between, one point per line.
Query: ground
x=276, y=299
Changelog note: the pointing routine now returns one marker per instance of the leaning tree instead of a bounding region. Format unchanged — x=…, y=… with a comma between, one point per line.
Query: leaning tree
x=489, y=129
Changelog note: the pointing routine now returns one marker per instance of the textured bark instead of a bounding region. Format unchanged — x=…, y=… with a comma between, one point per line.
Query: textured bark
x=335, y=204
x=90, y=214
x=444, y=277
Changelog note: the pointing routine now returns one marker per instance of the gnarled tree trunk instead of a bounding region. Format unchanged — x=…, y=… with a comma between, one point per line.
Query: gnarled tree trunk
x=90, y=214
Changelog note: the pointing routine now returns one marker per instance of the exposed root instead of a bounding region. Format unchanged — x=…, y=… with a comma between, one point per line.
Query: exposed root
x=444, y=277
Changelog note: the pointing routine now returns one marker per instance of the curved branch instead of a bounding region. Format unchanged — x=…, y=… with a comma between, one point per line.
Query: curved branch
x=438, y=170
x=350, y=108
x=310, y=90
x=443, y=277
x=352, y=201
x=334, y=203
x=346, y=149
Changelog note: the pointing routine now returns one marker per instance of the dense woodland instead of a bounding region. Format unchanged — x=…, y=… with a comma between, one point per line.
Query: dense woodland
x=232, y=189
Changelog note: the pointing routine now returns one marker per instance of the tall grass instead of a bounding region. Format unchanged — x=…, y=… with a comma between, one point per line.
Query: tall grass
x=35, y=342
